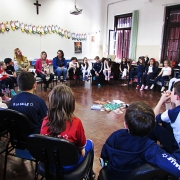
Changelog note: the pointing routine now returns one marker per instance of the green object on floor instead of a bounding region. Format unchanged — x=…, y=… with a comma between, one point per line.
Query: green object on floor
x=111, y=106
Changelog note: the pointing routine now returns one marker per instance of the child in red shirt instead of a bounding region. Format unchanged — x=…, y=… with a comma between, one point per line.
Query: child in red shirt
x=62, y=123
x=5, y=80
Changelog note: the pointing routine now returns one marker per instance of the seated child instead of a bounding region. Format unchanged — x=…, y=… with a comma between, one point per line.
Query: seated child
x=10, y=70
x=85, y=69
x=150, y=72
x=163, y=75
x=124, y=68
x=62, y=123
x=107, y=69
x=175, y=79
x=170, y=118
x=74, y=68
x=139, y=71
x=6, y=80
x=97, y=70
x=128, y=148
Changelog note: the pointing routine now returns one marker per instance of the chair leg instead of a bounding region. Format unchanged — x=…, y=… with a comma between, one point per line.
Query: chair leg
x=5, y=162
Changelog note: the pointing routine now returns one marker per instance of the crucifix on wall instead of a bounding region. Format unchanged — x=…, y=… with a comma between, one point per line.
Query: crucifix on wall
x=37, y=6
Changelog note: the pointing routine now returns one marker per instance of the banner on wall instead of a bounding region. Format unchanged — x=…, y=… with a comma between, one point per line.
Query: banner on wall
x=41, y=30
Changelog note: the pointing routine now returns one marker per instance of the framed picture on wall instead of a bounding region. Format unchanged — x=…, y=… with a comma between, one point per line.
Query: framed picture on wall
x=77, y=47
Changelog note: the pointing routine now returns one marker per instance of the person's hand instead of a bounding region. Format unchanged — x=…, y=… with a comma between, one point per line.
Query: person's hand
x=165, y=97
x=83, y=152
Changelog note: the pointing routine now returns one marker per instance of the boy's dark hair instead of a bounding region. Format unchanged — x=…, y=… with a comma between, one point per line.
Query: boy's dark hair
x=25, y=81
x=177, y=88
x=97, y=57
x=140, y=119
x=73, y=58
x=7, y=60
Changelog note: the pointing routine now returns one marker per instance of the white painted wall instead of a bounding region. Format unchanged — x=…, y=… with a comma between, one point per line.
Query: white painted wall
x=51, y=12
x=150, y=30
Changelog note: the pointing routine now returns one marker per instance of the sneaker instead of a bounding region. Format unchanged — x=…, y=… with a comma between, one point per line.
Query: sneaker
x=152, y=86
x=99, y=85
x=106, y=78
x=5, y=98
x=168, y=91
x=74, y=76
x=142, y=87
x=58, y=81
x=137, y=87
x=162, y=89
x=131, y=81
x=13, y=92
x=146, y=88
x=64, y=80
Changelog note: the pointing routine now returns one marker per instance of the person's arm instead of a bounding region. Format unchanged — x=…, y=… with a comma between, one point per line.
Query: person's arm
x=155, y=155
x=71, y=66
x=101, y=68
x=81, y=139
x=164, y=98
x=17, y=67
x=65, y=63
x=155, y=69
x=160, y=72
x=54, y=63
x=128, y=67
x=38, y=66
x=28, y=66
x=120, y=68
x=77, y=64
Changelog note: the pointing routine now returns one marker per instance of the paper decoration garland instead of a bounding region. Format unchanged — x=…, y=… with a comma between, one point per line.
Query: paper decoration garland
x=42, y=30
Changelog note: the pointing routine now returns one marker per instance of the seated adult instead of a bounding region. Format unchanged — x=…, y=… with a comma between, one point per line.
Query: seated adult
x=27, y=103
x=128, y=148
x=62, y=123
x=43, y=70
x=59, y=65
x=21, y=62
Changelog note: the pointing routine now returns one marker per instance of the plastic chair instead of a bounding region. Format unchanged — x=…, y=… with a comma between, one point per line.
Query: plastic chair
x=19, y=127
x=58, y=153
x=145, y=171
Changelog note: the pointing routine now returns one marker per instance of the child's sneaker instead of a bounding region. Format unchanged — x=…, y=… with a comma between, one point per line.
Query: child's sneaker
x=162, y=89
x=131, y=81
x=137, y=87
x=146, y=88
x=13, y=93
x=152, y=86
x=99, y=85
x=142, y=87
x=106, y=78
x=5, y=98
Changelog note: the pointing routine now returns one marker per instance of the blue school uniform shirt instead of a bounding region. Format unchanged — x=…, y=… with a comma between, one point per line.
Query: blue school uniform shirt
x=124, y=152
x=172, y=116
x=58, y=63
x=32, y=106
x=97, y=67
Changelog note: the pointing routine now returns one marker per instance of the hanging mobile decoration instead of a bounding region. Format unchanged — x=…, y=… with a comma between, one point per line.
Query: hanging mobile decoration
x=73, y=36
x=56, y=29
x=65, y=34
x=22, y=27
x=69, y=34
x=42, y=30
x=7, y=26
x=34, y=29
x=30, y=28
x=80, y=37
x=17, y=25
x=26, y=28
x=77, y=37
x=45, y=30
x=38, y=30
x=3, y=27
x=85, y=37
x=49, y=29
x=12, y=25
x=53, y=29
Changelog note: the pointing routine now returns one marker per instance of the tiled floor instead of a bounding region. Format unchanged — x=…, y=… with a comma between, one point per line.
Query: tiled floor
x=98, y=125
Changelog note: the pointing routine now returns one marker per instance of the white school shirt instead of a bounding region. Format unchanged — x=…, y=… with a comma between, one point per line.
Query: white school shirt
x=150, y=69
x=166, y=71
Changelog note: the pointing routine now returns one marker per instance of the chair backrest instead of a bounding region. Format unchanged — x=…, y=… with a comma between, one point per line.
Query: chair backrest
x=149, y=172
x=18, y=125
x=54, y=151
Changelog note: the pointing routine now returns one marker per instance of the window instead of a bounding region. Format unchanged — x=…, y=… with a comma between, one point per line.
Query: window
x=171, y=37
x=119, y=38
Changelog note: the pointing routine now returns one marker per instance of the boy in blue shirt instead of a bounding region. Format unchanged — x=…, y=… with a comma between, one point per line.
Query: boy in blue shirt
x=128, y=148
x=27, y=103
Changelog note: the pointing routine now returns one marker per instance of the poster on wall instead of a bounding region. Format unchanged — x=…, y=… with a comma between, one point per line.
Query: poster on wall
x=77, y=47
